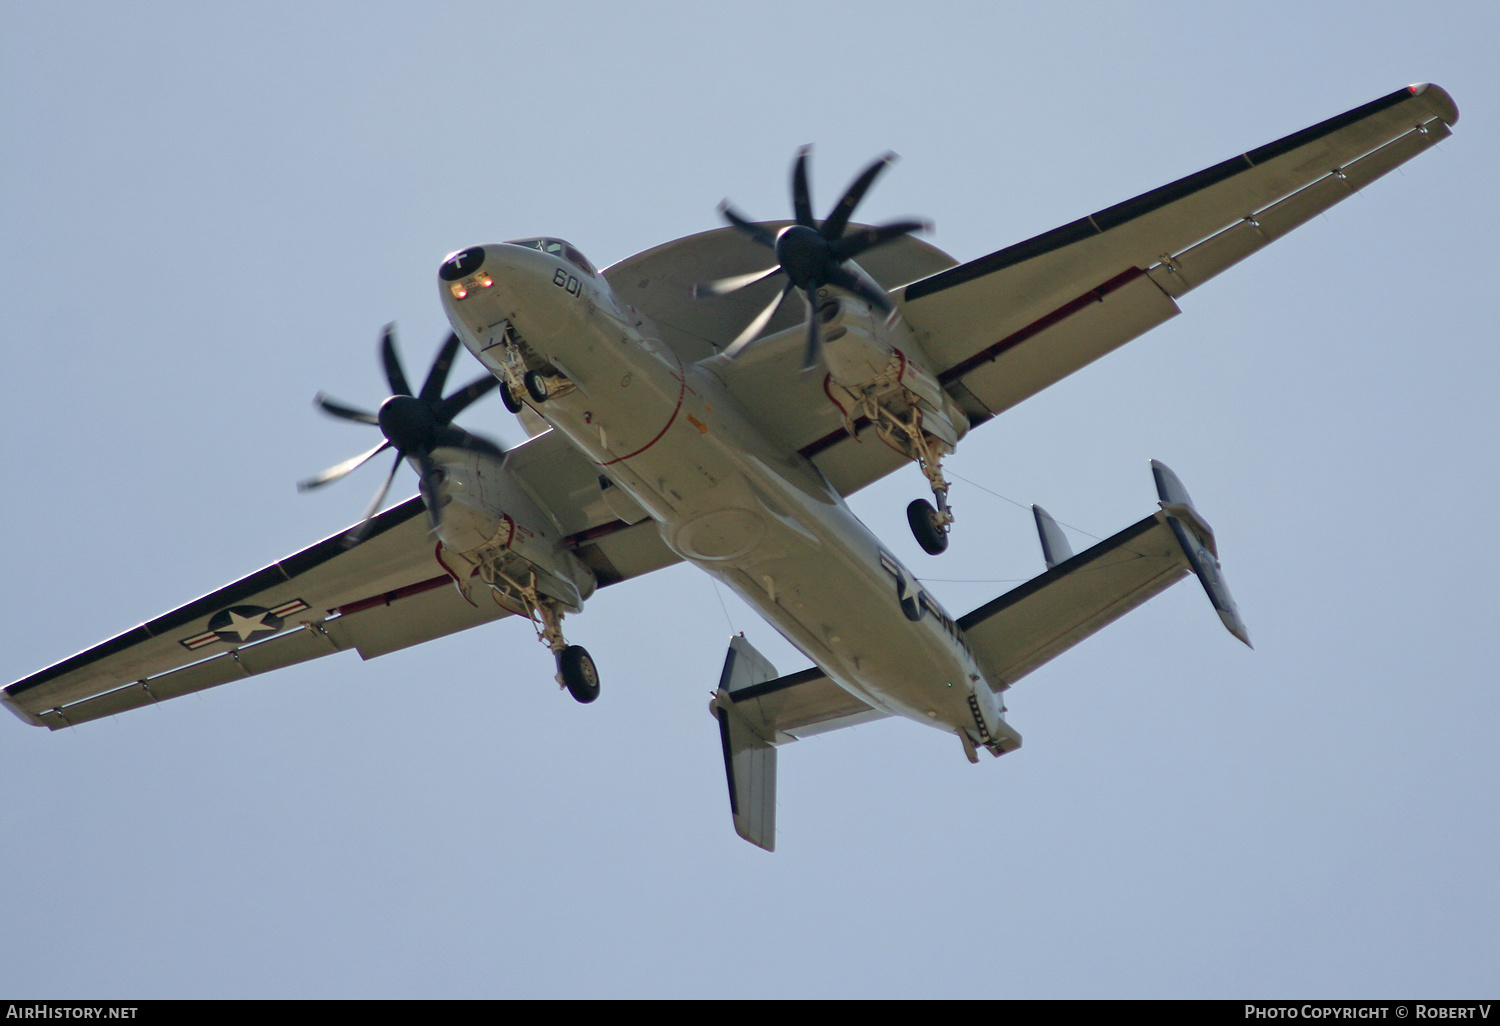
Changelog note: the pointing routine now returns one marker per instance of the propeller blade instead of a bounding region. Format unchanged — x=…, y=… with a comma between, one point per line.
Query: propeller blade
x=393, y=372
x=338, y=470
x=437, y=377
x=755, y=231
x=812, y=351
x=724, y=286
x=801, y=200
x=337, y=409
x=833, y=228
x=754, y=327
x=851, y=282
x=458, y=438
x=459, y=401
x=430, y=486
x=357, y=535
x=862, y=239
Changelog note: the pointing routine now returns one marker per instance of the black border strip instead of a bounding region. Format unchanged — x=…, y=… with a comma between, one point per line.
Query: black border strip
x=791, y=680
x=1114, y=216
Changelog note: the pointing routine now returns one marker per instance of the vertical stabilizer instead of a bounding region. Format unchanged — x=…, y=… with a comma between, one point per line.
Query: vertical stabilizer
x=1197, y=541
x=1055, y=547
x=749, y=759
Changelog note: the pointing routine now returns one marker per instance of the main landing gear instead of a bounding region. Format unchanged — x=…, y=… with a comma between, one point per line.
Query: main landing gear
x=929, y=524
x=575, y=667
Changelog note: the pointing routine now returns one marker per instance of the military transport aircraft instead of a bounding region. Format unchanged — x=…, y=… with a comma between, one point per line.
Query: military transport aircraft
x=682, y=405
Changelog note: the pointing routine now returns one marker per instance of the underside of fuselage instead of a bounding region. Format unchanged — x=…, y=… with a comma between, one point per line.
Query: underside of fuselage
x=725, y=495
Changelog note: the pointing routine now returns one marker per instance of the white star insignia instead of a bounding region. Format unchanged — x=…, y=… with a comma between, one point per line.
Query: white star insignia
x=245, y=626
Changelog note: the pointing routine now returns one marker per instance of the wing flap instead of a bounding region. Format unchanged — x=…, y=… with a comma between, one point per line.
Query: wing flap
x=619, y=551
x=431, y=609
x=1082, y=330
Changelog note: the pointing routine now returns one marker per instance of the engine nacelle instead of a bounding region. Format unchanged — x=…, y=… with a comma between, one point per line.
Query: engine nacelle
x=869, y=357
x=489, y=525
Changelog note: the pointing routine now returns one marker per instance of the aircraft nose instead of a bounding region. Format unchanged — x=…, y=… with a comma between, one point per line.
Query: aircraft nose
x=462, y=264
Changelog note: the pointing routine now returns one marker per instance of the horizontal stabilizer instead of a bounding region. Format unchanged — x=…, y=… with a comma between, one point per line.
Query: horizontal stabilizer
x=1083, y=593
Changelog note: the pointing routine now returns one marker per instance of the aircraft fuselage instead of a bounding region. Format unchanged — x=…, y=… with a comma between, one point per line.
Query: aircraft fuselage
x=754, y=514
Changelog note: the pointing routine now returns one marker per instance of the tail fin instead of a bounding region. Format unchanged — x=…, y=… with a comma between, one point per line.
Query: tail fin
x=749, y=759
x=1197, y=541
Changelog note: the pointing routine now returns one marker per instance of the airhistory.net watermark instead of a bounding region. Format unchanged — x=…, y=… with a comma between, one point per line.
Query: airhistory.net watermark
x=46, y=1011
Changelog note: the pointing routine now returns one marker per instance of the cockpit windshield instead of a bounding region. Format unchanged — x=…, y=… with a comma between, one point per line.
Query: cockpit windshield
x=558, y=248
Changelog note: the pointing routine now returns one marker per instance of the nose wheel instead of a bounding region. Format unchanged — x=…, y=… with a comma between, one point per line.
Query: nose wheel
x=508, y=397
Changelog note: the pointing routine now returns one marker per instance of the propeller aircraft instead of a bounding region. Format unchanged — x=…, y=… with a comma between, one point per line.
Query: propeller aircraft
x=678, y=408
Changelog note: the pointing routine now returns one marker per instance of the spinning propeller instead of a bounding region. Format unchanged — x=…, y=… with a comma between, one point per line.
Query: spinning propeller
x=413, y=425
x=813, y=255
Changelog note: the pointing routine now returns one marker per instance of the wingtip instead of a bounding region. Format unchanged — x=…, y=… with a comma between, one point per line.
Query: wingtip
x=1437, y=99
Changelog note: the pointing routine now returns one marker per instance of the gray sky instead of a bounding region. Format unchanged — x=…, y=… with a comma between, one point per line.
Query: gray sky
x=209, y=212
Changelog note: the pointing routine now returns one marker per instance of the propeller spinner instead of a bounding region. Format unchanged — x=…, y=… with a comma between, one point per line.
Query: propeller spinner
x=812, y=255
x=413, y=424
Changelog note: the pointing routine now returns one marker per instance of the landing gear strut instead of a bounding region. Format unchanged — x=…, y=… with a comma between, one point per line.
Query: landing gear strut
x=929, y=524
x=575, y=667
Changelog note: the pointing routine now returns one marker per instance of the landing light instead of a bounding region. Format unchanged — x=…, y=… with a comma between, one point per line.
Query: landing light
x=460, y=289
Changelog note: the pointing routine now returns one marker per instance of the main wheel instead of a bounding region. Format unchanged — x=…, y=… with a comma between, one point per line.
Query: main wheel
x=536, y=385
x=509, y=398
x=578, y=673
x=924, y=526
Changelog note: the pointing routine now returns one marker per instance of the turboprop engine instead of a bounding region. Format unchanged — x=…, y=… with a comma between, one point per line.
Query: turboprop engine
x=489, y=528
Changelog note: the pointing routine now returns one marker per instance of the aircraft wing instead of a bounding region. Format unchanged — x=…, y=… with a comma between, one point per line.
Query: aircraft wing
x=1007, y=325
x=390, y=591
